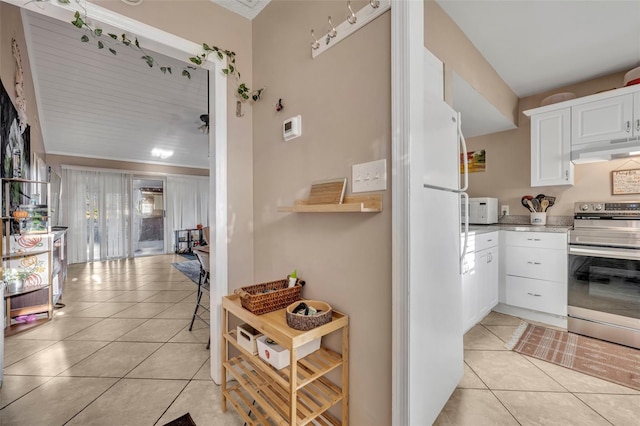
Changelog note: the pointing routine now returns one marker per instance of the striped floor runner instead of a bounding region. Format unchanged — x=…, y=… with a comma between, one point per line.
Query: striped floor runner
x=608, y=361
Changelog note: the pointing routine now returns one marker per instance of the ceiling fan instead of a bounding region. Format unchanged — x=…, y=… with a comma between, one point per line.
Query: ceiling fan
x=204, y=128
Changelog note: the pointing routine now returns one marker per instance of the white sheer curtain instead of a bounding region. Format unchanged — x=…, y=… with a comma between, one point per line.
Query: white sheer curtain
x=96, y=206
x=187, y=201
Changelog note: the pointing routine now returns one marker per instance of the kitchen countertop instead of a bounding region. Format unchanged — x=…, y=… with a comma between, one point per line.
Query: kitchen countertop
x=482, y=229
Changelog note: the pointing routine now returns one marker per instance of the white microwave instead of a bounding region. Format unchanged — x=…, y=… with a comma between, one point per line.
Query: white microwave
x=482, y=211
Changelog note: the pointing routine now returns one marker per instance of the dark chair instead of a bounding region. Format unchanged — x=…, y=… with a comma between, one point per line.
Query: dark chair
x=203, y=285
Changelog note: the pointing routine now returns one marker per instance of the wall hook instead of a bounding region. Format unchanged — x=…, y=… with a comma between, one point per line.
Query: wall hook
x=374, y=3
x=279, y=106
x=315, y=44
x=332, y=30
x=352, y=18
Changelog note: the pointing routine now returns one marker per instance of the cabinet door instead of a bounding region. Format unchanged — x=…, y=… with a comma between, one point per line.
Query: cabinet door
x=551, y=148
x=602, y=120
x=487, y=280
x=492, y=278
x=469, y=292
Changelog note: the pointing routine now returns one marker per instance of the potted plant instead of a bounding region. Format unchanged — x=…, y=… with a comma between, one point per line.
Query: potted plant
x=14, y=279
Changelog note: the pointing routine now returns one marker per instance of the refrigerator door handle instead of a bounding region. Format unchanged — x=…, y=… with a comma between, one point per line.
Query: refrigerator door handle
x=466, y=230
x=465, y=160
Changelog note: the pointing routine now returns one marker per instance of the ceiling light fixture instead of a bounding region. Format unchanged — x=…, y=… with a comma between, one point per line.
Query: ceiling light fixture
x=162, y=153
x=132, y=2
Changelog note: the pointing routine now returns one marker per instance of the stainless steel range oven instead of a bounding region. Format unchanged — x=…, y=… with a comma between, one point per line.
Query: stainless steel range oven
x=604, y=272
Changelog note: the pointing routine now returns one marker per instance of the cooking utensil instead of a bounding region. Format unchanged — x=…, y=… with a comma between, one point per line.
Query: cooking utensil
x=530, y=204
x=544, y=204
x=541, y=197
x=536, y=205
x=526, y=202
x=552, y=201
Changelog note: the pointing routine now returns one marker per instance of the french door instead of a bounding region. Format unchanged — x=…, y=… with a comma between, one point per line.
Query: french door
x=148, y=216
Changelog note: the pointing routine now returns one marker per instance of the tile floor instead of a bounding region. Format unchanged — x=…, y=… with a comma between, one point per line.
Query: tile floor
x=120, y=353
x=501, y=387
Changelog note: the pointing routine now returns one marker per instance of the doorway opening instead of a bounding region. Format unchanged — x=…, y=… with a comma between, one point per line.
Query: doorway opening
x=148, y=217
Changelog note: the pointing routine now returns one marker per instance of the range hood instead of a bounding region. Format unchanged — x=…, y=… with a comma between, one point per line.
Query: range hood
x=606, y=150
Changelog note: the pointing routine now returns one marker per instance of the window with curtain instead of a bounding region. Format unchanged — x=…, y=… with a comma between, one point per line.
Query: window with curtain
x=96, y=206
x=187, y=201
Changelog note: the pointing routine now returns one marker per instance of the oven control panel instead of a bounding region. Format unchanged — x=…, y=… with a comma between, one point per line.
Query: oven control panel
x=604, y=209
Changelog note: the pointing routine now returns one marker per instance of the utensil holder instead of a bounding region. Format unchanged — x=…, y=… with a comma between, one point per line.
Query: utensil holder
x=539, y=218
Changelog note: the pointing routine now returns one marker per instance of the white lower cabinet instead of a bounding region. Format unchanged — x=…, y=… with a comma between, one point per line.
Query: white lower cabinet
x=536, y=271
x=539, y=295
x=479, y=278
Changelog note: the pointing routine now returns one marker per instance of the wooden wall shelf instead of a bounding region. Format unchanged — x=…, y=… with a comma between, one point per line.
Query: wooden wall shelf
x=351, y=204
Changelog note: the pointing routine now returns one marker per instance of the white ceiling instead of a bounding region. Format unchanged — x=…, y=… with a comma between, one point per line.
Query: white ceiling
x=247, y=8
x=94, y=104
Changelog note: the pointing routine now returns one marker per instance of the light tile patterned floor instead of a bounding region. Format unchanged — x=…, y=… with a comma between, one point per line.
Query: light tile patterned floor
x=120, y=353
x=501, y=387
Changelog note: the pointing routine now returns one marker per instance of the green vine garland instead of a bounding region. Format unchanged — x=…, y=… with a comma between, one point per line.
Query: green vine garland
x=244, y=92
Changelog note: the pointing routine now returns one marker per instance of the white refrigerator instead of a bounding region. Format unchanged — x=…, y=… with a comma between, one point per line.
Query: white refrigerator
x=436, y=350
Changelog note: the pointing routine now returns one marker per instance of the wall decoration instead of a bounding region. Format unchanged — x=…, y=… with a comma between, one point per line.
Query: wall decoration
x=477, y=161
x=625, y=182
x=15, y=148
x=21, y=102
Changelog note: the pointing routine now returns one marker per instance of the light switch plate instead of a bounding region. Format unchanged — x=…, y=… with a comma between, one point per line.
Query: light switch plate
x=371, y=176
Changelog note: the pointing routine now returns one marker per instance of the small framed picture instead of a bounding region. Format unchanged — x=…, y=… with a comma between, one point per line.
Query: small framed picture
x=625, y=182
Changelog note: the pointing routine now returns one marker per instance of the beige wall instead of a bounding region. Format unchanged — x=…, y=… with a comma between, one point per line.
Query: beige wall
x=508, y=174
x=344, y=97
x=445, y=40
x=11, y=27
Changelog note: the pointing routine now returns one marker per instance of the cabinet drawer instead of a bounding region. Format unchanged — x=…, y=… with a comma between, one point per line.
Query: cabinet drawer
x=548, y=240
x=477, y=242
x=543, y=296
x=486, y=240
x=537, y=263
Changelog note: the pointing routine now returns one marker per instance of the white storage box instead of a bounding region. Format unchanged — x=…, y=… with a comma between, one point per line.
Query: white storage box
x=278, y=356
x=246, y=336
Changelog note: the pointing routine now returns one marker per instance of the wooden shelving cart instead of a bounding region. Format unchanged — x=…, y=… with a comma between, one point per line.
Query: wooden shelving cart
x=300, y=391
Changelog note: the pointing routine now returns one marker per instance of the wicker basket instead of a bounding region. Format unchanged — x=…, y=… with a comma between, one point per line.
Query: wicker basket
x=268, y=297
x=307, y=322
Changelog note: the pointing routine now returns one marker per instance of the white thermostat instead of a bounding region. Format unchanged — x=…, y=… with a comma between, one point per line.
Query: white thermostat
x=292, y=128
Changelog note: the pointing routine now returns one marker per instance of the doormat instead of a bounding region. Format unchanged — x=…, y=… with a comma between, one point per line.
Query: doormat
x=184, y=420
x=191, y=268
x=608, y=361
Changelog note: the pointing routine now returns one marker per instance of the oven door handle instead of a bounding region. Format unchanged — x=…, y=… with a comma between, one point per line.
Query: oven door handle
x=613, y=253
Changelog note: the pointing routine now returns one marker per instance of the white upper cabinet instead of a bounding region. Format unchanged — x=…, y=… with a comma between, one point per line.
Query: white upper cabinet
x=599, y=126
x=551, y=148
x=605, y=119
